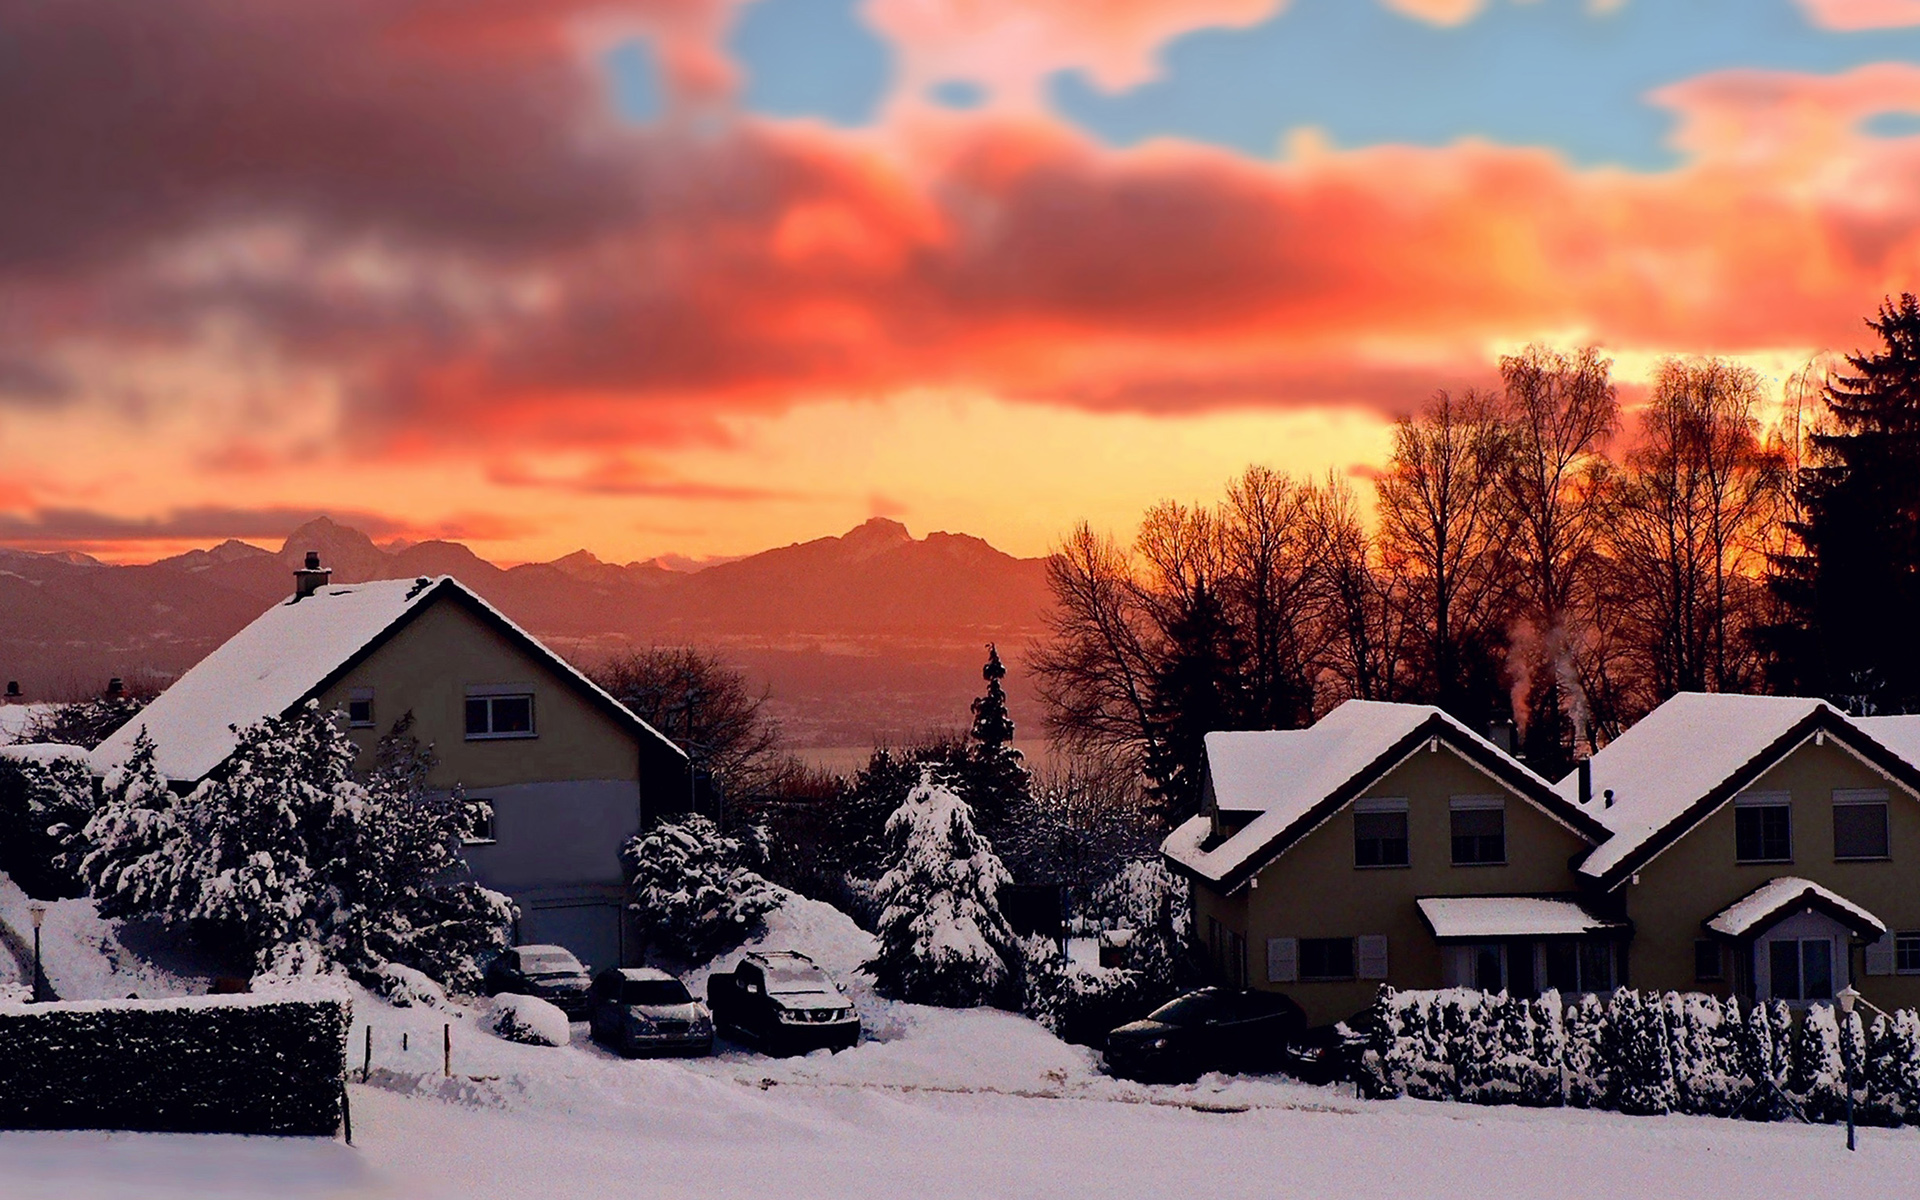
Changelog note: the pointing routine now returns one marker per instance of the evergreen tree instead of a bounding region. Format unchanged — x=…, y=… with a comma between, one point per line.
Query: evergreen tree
x=696, y=891
x=995, y=779
x=1849, y=596
x=1890, y=1083
x=44, y=803
x=943, y=939
x=131, y=867
x=1195, y=690
x=1639, y=1054
x=1815, y=1069
x=1587, y=1075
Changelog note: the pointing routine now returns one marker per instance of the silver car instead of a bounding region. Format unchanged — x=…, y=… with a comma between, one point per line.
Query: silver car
x=640, y=1010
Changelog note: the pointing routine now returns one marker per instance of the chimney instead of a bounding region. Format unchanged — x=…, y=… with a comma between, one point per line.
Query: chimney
x=116, y=687
x=1609, y=795
x=13, y=689
x=1500, y=733
x=310, y=578
x=1586, y=781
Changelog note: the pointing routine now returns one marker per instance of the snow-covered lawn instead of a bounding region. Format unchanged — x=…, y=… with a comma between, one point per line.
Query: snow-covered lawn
x=939, y=1104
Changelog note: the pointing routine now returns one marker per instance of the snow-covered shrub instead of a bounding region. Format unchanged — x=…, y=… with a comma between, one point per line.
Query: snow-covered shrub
x=1815, y=1071
x=1511, y=1053
x=1076, y=1002
x=15, y=993
x=1146, y=897
x=1385, y=1063
x=943, y=939
x=696, y=892
x=44, y=804
x=1639, y=1054
x=1765, y=1052
x=405, y=987
x=285, y=851
x=1588, y=1078
x=528, y=1020
x=1709, y=1072
x=1890, y=1081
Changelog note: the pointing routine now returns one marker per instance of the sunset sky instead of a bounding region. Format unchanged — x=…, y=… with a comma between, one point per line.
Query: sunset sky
x=706, y=276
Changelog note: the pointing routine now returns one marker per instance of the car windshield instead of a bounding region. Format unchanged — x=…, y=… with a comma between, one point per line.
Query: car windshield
x=549, y=962
x=785, y=978
x=654, y=992
x=1195, y=1009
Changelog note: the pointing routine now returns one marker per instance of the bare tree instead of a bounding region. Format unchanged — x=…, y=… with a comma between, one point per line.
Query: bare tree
x=706, y=706
x=1272, y=545
x=1093, y=671
x=1366, y=626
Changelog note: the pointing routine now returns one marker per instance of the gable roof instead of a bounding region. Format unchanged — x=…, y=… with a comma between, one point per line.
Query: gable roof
x=1766, y=905
x=296, y=650
x=1691, y=755
x=1294, y=779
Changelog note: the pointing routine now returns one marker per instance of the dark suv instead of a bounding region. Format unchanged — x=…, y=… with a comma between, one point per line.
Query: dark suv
x=639, y=1010
x=549, y=972
x=783, y=1003
x=1213, y=1029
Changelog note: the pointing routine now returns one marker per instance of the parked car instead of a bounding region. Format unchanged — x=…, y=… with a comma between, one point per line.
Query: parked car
x=1213, y=1029
x=783, y=1003
x=1329, y=1053
x=639, y=1010
x=549, y=972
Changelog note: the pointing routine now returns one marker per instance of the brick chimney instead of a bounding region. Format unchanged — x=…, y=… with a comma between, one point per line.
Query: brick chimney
x=310, y=578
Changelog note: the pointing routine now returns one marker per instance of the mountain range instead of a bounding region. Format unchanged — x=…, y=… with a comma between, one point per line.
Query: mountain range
x=872, y=636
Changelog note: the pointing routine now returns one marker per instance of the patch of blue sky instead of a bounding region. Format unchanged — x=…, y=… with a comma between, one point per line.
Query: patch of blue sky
x=1892, y=125
x=633, y=80
x=957, y=93
x=811, y=58
x=1553, y=73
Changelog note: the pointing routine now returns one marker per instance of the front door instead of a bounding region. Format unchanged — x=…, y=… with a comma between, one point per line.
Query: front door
x=1801, y=960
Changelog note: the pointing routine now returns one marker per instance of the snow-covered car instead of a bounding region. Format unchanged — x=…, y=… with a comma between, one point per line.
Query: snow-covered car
x=549, y=972
x=1213, y=1029
x=640, y=1010
x=782, y=1002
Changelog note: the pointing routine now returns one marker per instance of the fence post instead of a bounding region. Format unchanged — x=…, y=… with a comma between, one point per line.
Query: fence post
x=346, y=1111
x=366, y=1064
x=446, y=1050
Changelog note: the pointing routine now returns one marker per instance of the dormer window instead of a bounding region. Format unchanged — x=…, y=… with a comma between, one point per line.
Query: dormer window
x=360, y=708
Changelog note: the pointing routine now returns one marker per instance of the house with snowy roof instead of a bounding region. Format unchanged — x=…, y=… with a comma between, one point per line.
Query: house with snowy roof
x=1754, y=845
x=570, y=772
x=1389, y=843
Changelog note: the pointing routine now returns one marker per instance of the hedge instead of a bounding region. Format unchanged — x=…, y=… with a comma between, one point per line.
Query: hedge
x=1644, y=1052
x=225, y=1064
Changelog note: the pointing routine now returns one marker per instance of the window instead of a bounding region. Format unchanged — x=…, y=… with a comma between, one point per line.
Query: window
x=1479, y=830
x=1380, y=833
x=1859, y=824
x=1906, y=953
x=479, y=821
x=1706, y=959
x=502, y=716
x=1801, y=970
x=360, y=708
x=1763, y=828
x=1326, y=958
x=1580, y=966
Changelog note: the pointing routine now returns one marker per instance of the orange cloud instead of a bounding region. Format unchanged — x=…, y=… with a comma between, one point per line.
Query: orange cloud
x=1862, y=14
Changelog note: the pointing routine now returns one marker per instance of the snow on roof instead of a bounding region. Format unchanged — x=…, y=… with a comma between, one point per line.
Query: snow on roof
x=1788, y=891
x=1283, y=774
x=1899, y=734
x=280, y=659
x=16, y=719
x=1509, y=916
x=1672, y=758
x=43, y=752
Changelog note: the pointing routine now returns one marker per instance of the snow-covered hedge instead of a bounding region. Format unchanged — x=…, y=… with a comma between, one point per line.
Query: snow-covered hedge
x=526, y=1019
x=228, y=1064
x=1078, y=1003
x=1644, y=1052
x=696, y=891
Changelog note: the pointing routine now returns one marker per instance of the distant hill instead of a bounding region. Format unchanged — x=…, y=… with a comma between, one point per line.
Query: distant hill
x=872, y=635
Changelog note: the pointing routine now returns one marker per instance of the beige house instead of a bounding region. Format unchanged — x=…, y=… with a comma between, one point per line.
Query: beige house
x=569, y=771
x=1764, y=846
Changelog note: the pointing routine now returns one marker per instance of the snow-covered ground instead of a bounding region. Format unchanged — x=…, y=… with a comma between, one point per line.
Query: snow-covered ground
x=937, y=1104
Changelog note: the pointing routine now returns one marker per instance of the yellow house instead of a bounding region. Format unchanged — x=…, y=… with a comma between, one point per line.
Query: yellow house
x=571, y=774
x=1762, y=846
x=1389, y=844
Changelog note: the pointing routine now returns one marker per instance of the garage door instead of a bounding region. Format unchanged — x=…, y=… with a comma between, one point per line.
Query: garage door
x=591, y=931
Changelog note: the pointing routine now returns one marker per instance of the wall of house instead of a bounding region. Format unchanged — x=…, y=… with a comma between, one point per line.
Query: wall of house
x=1698, y=875
x=1314, y=890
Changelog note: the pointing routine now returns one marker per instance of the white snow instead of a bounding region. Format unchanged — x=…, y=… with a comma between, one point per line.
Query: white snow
x=1283, y=774
x=86, y=957
x=1767, y=900
x=1508, y=916
x=1672, y=758
x=1900, y=734
x=16, y=719
x=526, y=1019
x=43, y=752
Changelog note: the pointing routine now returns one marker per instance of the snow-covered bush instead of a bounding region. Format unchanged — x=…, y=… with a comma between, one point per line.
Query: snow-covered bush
x=1076, y=1002
x=1765, y=1054
x=1587, y=1078
x=15, y=993
x=943, y=939
x=44, y=804
x=526, y=1019
x=1710, y=1077
x=1815, y=1070
x=405, y=987
x=1639, y=1054
x=696, y=892
x=1146, y=897
x=286, y=852
x=1890, y=1079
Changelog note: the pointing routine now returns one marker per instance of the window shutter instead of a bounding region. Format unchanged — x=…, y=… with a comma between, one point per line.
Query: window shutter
x=1372, y=956
x=1283, y=960
x=1880, y=956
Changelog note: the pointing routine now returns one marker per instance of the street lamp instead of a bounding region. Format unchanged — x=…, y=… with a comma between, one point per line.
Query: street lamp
x=1846, y=998
x=38, y=912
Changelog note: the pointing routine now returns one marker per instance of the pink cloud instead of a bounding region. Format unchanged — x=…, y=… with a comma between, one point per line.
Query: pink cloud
x=1862, y=14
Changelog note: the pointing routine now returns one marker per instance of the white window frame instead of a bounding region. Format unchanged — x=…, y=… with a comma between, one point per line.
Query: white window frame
x=361, y=695
x=502, y=691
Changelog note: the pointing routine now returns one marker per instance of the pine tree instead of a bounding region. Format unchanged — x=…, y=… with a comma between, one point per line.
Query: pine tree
x=44, y=804
x=1639, y=1054
x=995, y=779
x=1196, y=689
x=1587, y=1075
x=696, y=891
x=134, y=843
x=943, y=939
x=1815, y=1070
x=1849, y=597
x=1890, y=1080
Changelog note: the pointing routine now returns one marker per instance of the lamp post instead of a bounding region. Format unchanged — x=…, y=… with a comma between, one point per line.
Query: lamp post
x=38, y=912
x=1846, y=998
